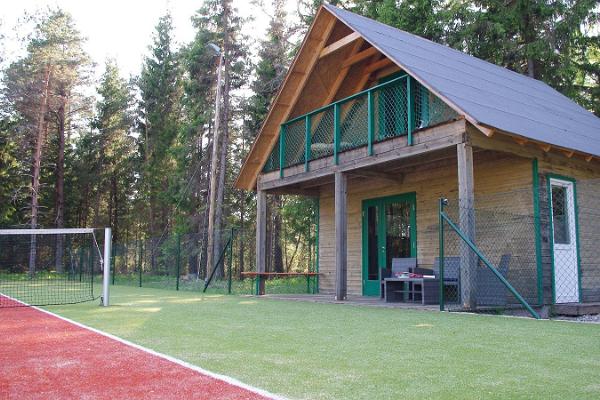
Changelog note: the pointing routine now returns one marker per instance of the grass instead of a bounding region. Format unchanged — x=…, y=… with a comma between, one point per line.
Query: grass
x=326, y=351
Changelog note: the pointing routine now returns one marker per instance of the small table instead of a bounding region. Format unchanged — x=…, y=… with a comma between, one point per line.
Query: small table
x=411, y=290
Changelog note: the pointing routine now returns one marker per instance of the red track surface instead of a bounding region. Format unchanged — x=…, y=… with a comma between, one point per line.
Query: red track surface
x=44, y=357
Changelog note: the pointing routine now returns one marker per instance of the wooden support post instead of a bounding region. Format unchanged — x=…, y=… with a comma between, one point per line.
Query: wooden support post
x=466, y=203
x=341, y=245
x=261, y=239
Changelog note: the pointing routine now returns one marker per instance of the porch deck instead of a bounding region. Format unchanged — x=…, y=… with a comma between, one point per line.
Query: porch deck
x=370, y=301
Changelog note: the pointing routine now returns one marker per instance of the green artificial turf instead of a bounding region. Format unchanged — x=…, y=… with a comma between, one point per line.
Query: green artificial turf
x=305, y=350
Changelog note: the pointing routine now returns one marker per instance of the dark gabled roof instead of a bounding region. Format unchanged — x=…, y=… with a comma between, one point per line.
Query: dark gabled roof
x=490, y=95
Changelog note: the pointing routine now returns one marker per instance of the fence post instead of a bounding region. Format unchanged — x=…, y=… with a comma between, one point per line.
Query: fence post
x=281, y=150
x=336, y=132
x=442, y=203
x=307, y=142
x=178, y=260
x=410, y=120
x=141, y=261
x=80, y=261
x=370, y=121
x=230, y=266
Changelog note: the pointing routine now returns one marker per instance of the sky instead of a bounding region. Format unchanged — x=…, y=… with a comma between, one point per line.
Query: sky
x=122, y=29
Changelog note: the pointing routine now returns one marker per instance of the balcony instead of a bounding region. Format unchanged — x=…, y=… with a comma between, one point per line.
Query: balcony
x=394, y=108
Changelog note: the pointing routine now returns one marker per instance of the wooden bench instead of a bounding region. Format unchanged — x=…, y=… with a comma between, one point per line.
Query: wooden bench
x=261, y=276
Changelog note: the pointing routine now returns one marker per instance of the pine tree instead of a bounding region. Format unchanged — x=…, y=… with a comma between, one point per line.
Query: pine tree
x=160, y=89
x=42, y=90
x=114, y=145
x=553, y=42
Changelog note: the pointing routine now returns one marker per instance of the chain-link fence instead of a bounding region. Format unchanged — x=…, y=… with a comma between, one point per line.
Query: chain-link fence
x=178, y=262
x=534, y=247
x=475, y=277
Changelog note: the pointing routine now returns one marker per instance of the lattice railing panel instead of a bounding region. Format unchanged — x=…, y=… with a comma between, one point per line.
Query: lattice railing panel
x=355, y=123
x=322, y=124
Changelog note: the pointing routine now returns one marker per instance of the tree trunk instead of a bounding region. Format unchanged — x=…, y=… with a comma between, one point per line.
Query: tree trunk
x=37, y=163
x=222, y=145
x=212, y=203
x=60, y=185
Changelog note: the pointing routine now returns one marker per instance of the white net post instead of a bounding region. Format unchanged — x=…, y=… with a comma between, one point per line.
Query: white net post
x=106, y=267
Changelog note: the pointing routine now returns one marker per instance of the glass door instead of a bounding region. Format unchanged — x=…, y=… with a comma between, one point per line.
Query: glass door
x=389, y=231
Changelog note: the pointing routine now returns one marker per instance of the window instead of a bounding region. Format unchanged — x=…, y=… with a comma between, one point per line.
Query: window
x=560, y=215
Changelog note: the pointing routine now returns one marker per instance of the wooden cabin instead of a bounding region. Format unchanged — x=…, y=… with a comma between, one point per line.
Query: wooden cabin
x=379, y=124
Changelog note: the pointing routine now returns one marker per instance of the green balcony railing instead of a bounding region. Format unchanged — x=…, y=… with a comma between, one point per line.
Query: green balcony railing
x=394, y=108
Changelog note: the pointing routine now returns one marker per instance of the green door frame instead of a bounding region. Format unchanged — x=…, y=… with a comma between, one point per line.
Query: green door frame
x=369, y=289
x=550, y=176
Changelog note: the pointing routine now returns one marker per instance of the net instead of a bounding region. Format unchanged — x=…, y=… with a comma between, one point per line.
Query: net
x=48, y=266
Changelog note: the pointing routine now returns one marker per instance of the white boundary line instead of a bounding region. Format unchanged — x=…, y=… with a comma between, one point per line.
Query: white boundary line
x=224, y=378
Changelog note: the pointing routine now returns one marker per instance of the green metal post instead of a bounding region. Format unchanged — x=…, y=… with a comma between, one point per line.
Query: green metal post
x=441, y=255
x=230, y=266
x=281, y=150
x=538, y=233
x=141, y=260
x=307, y=142
x=370, y=121
x=411, y=118
x=81, y=256
x=336, y=132
x=178, y=260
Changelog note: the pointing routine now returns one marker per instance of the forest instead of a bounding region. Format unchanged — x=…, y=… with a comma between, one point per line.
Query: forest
x=152, y=158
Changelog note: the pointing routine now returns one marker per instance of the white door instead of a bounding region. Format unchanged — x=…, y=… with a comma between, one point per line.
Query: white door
x=564, y=231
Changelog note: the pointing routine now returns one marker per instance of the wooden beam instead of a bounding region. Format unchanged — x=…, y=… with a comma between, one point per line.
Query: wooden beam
x=378, y=65
x=589, y=158
x=466, y=212
x=332, y=92
x=341, y=76
x=387, y=71
x=296, y=191
x=261, y=237
x=341, y=236
x=568, y=153
x=520, y=141
x=545, y=147
x=358, y=57
x=364, y=173
x=343, y=42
